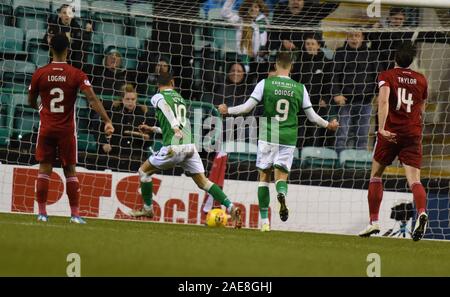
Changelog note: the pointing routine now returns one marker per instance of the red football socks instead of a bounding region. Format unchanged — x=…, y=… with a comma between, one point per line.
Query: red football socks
x=42, y=192
x=73, y=192
x=375, y=196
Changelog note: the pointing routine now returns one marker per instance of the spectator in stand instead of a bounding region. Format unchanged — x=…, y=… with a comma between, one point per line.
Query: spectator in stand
x=297, y=13
x=235, y=90
x=251, y=35
x=314, y=70
x=108, y=78
x=385, y=43
x=175, y=39
x=354, y=76
x=147, y=85
x=65, y=22
x=127, y=147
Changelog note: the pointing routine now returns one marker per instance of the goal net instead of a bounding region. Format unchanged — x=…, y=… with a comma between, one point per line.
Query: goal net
x=217, y=51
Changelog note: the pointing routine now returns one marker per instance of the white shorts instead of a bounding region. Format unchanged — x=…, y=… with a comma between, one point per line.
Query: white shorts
x=274, y=155
x=186, y=156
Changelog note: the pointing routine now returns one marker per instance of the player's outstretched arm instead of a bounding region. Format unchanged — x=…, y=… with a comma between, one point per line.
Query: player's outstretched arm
x=98, y=107
x=313, y=116
x=32, y=100
x=248, y=105
x=383, y=110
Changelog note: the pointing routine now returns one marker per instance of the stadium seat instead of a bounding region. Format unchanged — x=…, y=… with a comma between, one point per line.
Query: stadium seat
x=5, y=12
x=5, y=118
x=127, y=46
x=36, y=55
x=26, y=121
x=16, y=74
x=142, y=24
x=12, y=43
x=31, y=14
x=355, y=159
x=108, y=17
x=86, y=140
x=215, y=14
x=224, y=39
x=318, y=157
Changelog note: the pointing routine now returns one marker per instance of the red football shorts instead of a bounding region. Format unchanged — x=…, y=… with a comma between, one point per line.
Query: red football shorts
x=408, y=150
x=64, y=146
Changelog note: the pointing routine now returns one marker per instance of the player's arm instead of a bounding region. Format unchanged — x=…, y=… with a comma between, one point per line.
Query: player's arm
x=248, y=105
x=159, y=102
x=98, y=107
x=32, y=100
x=33, y=91
x=144, y=128
x=383, y=111
x=313, y=116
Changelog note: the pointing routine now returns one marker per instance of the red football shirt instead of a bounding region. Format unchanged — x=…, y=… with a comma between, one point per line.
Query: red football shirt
x=57, y=83
x=407, y=95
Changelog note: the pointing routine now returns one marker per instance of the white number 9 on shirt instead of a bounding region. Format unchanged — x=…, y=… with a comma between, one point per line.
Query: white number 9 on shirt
x=283, y=109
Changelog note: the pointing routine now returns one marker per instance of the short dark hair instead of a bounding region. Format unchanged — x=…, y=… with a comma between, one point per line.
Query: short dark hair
x=405, y=54
x=397, y=10
x=164, y=79
x=284, y=59
x=59, y=43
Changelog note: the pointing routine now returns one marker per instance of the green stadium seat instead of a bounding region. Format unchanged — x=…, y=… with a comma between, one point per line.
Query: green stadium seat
x=215, y=14
x=31, y=14
x=12, y=43
x=108, y=17
x=224, y=39
x=36, y=55
x=356, y=159
x=86, y=142
x=26, y=121
x=5, y=12
x=142, y=24
x=16, y=74
x=318, y=157
x=5, y=119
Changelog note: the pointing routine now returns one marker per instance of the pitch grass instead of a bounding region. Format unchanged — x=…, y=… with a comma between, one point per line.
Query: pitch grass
x=115, y=248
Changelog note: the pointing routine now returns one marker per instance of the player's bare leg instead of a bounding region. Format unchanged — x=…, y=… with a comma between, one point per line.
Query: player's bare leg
x=264, y=198
x=145, y=176
x=42, y=182
x=73, y=193
x=203, y=183
x=281, y=186
x=375, y=196
x=420, y=199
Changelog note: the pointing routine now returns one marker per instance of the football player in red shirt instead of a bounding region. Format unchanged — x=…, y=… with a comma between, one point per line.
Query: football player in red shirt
x=57, y=84
x=401, y=103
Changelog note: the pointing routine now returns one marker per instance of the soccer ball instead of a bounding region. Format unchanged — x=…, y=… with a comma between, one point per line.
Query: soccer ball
x=216, y=218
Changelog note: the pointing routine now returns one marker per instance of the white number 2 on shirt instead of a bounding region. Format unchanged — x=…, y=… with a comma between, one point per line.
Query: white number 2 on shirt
x=401, y=98
x=59, y=98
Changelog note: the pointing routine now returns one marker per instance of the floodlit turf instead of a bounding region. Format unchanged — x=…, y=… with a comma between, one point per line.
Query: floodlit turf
x=153, y=249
